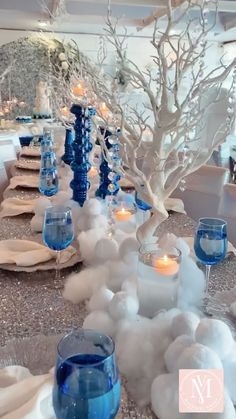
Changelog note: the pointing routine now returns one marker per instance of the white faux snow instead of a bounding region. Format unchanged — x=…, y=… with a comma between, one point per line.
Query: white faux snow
x=41, y=204
x=198, y=356
x=127, y=247
x=82, y=285
x=92, y=207
x=123, y=305
x=147, y=348
x=229, y=411
x=184, y=324
x=165, y=397
x=106, y=249
x=101, y=299
x=101, y=321
x=174, y=351
x=216, y=335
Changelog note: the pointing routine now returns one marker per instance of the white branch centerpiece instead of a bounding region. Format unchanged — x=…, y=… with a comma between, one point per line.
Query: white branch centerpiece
x=174, y=89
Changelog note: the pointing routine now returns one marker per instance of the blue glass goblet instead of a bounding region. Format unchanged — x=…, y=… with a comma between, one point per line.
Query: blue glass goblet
x=58, y=231
x=210, y=243
x=86, y=384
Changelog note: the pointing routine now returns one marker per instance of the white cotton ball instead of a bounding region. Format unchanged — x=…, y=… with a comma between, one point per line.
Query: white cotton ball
x=61, y=198
x=130, y=245
x=62, y=56
x=81, y=286
x=229, y=365
x=161, y=336
x=167, y=315
x=92, y=207
x=233, y=309
x=98, y=221
x=168, y=240
x=101, y=299
x=119, y=272
x=165, y=397
x=133, y=363
x=87, y=242
x=40, y=205
x=229, y=411
x=130, y=285
x=77, y=287
x=192, y=284
x=175, y=350
x=83, y=222
x=123, y=305
x=183, y=247
x=127, y=227
x=198, y=356
x=101, y=321
x=36, y=223
x=106, y=249
x=216, y=335
x=184, y=324
x=64, y=65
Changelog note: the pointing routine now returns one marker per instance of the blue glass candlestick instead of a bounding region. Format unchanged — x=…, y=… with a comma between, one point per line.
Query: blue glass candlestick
x=108, y=178
x=68, y=156
x=141, y=204
x=82, y=147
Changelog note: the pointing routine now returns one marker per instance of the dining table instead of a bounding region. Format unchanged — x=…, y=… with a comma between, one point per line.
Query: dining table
x=33, y=311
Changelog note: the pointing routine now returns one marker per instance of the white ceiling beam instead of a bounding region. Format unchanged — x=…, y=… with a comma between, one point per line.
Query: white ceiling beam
x=224, y=5
x=143, y=3
x=157, y=14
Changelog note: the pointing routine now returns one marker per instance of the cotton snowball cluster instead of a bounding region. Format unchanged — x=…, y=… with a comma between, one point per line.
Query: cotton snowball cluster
x=150, y=351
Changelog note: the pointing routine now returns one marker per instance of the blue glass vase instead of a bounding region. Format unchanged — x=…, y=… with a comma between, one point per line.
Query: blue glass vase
x=108, y=178
x=68, y=156
x=82, y=146
x=46, y=144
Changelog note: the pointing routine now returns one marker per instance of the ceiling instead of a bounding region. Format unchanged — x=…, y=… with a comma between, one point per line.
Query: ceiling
x=87, y=16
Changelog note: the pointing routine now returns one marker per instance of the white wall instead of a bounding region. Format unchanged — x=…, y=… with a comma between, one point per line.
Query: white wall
x=139, y=49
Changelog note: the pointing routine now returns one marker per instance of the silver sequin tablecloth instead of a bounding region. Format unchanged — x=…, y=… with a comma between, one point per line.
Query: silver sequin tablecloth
x=31, y=305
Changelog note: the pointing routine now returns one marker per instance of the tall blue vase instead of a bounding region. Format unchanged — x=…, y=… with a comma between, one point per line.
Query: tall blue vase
x=68, y=156
x=82, y=147
x=108, y=179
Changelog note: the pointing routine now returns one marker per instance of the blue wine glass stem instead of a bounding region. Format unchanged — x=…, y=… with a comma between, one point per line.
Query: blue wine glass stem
x=208, y=270
x=58, y=272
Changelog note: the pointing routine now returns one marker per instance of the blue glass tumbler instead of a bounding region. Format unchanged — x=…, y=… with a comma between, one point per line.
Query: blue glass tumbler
x=87, y=384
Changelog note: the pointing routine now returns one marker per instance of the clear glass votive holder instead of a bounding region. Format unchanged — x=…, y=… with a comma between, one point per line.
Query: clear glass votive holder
x=158, y=278
x=124, y=207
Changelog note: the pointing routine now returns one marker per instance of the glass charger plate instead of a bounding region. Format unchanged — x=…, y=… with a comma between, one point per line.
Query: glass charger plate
x=38, y=353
